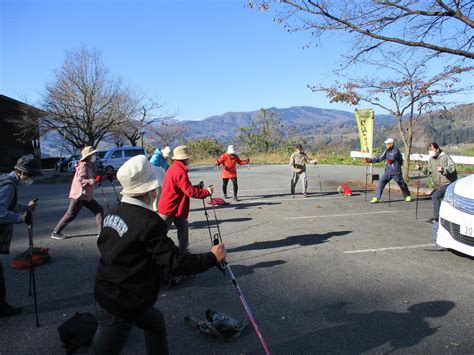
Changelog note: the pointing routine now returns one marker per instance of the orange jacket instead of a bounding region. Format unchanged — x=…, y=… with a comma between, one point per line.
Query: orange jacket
x=228, y=165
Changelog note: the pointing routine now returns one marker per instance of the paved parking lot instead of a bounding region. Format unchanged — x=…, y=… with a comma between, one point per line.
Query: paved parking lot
x=324, y=274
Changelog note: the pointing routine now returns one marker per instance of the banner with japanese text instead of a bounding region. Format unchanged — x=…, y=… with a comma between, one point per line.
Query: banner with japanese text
x=365, y=124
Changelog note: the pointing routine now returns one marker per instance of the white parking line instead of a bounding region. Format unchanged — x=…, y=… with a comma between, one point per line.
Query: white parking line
x=354, y=214
x=268, y=189
x=388, y=248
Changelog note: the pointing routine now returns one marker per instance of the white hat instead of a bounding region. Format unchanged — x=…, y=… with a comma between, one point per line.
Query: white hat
x=389, y=140
x=137, y=176
x=230, y=149
x=87, y=152
x=166, y=151
x=180, y=153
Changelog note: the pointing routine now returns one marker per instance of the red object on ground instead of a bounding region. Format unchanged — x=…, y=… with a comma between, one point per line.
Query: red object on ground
x=217, y=201
x=345, y=190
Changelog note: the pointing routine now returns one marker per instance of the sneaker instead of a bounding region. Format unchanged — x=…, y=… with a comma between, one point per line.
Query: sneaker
x=236, y=199
x=58, y=236
x=408, y=199
x=6, y=310
x=431, y=220
x=305, y=195
x=374, y=200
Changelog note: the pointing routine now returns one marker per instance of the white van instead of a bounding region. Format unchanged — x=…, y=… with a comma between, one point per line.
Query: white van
x=114, y=158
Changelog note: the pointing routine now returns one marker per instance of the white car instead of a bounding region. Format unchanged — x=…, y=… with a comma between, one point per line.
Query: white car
x=456, y=222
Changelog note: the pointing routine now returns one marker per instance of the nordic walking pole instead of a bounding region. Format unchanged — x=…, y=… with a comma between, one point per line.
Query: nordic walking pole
x=319, y=177
x=32, y=269
x=224, y=266
x=417, y=196
x=98, y=180
x=389, y=179
x=111, y=179
x=366, y=184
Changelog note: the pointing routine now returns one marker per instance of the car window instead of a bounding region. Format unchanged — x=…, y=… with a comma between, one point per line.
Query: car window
x=129, y=153
x=101, y=154
x=139, y=152
x=116, y=154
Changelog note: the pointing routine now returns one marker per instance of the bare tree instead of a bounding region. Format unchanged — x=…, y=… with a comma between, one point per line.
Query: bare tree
x=84, y=102
x=168, y=132
x=440, y=26
x=140, y=116
x=405, y=97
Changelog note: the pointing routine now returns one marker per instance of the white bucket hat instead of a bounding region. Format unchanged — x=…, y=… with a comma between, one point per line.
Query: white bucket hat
x=166, y=152
x=87, y=152
x=180, y=153
x=389, y=140
x=137, y=176
x=230, y=149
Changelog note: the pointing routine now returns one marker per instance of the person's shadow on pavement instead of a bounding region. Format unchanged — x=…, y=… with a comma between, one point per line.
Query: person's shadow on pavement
x=362, y=332
x=302, y=240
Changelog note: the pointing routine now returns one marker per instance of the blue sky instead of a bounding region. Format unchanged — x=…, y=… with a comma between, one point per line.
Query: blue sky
x=200, y=58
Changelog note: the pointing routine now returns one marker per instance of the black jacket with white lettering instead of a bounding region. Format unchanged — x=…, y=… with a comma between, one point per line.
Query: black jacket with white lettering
x=131, y=266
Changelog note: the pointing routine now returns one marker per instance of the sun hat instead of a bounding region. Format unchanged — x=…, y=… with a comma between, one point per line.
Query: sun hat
x=29, y=165
x=137, y=176
x=230, y=149
x=180, y=153
x=166, y=152
x=389, y=140
x=87, y=152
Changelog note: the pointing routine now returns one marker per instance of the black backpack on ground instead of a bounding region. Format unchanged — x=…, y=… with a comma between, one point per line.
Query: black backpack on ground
x=78, y=331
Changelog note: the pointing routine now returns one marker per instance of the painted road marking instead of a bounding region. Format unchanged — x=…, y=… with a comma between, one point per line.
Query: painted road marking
x=388, y=248
x=353, y=214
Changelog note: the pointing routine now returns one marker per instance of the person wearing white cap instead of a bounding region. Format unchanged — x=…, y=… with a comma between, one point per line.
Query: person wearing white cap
x=81, y=193
x=393, y=170
x=160, y=156
x=229, y=160
x=135, y=253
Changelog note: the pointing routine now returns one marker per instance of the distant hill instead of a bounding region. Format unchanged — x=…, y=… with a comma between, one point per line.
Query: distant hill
x=302, y=120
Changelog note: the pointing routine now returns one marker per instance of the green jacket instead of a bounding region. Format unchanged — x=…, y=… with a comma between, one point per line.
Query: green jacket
x=449, y=173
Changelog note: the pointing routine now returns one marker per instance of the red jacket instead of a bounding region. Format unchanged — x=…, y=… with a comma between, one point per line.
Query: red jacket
x=176, y=191
x=228, y=165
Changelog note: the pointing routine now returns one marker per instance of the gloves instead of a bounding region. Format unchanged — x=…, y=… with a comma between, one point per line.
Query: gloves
x=98, y=179
x=368, y=160
x=389, y=161
x=27, y=218
x=201, y=185
x=248, y=160
x=211, y=190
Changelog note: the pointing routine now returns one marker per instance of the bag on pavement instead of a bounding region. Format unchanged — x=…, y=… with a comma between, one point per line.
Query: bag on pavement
x=78, y=331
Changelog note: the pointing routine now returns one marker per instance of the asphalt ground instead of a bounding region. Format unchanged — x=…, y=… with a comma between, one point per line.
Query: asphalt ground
x=325, y=274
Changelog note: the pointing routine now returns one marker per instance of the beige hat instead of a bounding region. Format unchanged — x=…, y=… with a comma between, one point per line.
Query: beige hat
x=87, y=152
x=137, y=176
x=230, y=149
x=389, y=140
x=180, y=153
x=166, y=152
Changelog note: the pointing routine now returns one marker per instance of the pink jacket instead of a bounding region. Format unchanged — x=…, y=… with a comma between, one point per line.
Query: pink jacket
x=82, y=187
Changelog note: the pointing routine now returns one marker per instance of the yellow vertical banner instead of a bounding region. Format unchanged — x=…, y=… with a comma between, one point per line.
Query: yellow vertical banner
x=365, y=124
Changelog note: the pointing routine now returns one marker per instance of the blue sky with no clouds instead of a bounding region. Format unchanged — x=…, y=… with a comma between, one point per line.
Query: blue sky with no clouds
x=200, y=58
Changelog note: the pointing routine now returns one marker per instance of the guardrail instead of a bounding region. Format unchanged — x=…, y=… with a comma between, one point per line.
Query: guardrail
x=458, y=159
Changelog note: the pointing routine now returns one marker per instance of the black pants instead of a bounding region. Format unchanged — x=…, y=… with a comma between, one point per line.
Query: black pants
x=74, y=207
x=225, y=181
x=437, y=196
x=113, y=331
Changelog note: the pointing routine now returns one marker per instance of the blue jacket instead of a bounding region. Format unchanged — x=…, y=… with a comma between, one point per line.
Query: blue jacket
x=395, y=168
x=158, y=160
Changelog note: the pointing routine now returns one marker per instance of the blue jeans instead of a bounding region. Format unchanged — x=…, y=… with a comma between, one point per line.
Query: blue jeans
x=113, y=331
x=437, y=196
